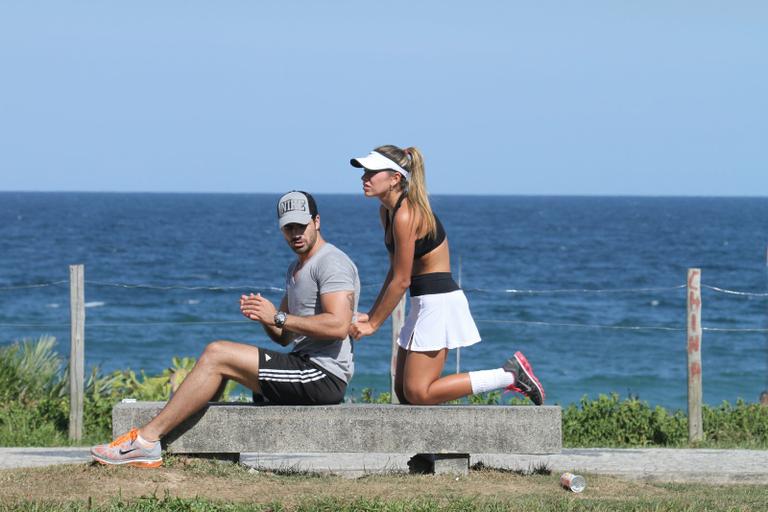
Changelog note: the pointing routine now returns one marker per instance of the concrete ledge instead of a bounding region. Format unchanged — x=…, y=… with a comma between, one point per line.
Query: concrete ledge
x=355, y=428
x=686, y=465
x=32, y=457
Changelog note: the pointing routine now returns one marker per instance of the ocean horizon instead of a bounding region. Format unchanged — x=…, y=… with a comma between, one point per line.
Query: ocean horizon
x=357, y=194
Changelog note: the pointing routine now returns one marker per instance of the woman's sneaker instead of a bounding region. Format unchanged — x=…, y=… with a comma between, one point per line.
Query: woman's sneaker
x=526, y=382
x=127, y=450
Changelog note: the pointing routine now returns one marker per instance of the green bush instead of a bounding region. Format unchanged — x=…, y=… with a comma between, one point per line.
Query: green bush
x=367, y=397
x=30, y=370
x=34, y=407
x=736, y=426
x=611, y=422
x=34, y=394
x=21, y=425
x=32, y=385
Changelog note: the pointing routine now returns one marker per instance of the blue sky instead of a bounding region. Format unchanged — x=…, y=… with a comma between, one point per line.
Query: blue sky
x=618, y=98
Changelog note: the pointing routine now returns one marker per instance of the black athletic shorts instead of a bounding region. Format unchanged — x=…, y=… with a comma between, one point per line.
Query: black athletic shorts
x=292, y=379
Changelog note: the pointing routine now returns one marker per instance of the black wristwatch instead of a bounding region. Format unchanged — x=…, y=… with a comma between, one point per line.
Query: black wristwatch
x=280, y=318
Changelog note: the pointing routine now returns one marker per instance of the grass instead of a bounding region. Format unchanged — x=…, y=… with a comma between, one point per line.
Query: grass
x=208, y=485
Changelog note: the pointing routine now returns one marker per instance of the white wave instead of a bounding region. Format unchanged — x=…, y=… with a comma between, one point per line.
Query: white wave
x=94, y=304
x=53, y=305
x=193, y=301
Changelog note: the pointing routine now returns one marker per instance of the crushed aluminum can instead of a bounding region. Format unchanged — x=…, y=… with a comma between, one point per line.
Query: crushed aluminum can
x=575, y=483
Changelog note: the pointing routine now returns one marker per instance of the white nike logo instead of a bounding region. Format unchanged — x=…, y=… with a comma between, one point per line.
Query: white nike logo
x=267, y=358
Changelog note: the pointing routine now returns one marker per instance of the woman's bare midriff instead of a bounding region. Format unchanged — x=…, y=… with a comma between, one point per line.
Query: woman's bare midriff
x=438, y=260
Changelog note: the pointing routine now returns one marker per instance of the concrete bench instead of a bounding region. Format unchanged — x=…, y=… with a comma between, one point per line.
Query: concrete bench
x=443, y=435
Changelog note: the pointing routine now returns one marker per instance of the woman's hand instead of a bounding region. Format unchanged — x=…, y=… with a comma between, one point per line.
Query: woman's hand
x=361, y=317
x=359, y=329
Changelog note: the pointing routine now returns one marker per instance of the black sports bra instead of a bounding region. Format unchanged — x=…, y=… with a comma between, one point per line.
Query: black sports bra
x=425, y=244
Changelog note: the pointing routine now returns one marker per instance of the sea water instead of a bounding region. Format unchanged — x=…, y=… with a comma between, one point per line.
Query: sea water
x=591, y=289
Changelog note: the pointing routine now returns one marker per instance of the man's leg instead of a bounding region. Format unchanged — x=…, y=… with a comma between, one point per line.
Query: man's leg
x=220, y=361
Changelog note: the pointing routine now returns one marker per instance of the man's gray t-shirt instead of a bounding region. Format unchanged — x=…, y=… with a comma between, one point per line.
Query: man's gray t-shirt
x=328, y=270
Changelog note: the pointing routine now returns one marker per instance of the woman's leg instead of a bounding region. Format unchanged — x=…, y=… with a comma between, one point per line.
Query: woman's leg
x=421, y=381
x=402, y=354
x=220, y=361
x=422, y=385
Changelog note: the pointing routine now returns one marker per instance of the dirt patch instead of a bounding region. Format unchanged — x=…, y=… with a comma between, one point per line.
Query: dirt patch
x=235, y=483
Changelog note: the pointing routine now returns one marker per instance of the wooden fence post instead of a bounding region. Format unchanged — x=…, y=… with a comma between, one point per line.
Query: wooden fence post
x=398, y=318
x=695, y=424
x=77, y=352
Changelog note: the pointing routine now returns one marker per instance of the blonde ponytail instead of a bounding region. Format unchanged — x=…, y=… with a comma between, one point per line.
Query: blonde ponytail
x=412, y=161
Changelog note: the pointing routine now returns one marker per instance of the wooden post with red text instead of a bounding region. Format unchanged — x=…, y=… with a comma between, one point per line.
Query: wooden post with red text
x=398, y=318
x=695, y=424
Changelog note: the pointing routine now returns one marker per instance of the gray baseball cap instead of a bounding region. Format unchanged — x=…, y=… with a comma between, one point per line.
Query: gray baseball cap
x=296, y=207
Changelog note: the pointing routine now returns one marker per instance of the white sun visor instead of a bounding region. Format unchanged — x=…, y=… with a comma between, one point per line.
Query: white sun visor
x=378, y=162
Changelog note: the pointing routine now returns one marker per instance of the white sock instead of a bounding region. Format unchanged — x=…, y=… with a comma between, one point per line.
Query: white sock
x=144, y=443
x=488, y=380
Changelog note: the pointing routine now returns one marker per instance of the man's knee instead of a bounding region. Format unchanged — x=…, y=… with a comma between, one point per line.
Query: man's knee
x=214, y=352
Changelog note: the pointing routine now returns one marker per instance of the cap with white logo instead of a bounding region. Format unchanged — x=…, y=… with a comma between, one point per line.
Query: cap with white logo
x=296, y=207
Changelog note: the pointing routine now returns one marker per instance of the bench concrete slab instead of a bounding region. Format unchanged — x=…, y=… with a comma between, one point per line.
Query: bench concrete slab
x=227, y=428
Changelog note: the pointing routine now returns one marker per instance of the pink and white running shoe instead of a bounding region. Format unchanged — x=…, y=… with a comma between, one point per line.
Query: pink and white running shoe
x=526, y=382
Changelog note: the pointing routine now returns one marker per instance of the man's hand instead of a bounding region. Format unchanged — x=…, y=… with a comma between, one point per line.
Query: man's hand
x=256, y=307
x=359, y=329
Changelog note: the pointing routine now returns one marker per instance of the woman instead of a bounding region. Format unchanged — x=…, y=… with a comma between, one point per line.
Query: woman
x=439, y=318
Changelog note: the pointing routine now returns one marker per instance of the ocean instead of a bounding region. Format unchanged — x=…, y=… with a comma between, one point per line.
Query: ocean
x=591, y=289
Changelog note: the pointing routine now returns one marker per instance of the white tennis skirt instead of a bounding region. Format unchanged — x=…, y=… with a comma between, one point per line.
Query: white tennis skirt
x=438, y=321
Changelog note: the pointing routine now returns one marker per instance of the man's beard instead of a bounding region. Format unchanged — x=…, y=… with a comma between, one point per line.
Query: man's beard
x=308, y=245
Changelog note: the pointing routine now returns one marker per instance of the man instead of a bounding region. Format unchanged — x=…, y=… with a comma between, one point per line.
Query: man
x=321, y=293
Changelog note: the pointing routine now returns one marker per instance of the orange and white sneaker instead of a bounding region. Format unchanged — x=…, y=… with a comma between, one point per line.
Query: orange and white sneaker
x=127, y=450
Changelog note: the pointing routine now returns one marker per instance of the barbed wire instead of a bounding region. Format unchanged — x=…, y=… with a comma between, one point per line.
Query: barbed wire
x=617, y=327
x=179, y=287
x=481, y=320
x=366, y=285
x=724, y=329
x=161, y=287
x=576, y=290
x=39, y=285
x=734, y=292
x=593, y=326
x=111, y=324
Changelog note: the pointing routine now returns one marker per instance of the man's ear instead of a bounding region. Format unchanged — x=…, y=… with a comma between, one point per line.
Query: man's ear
x=316, y=220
